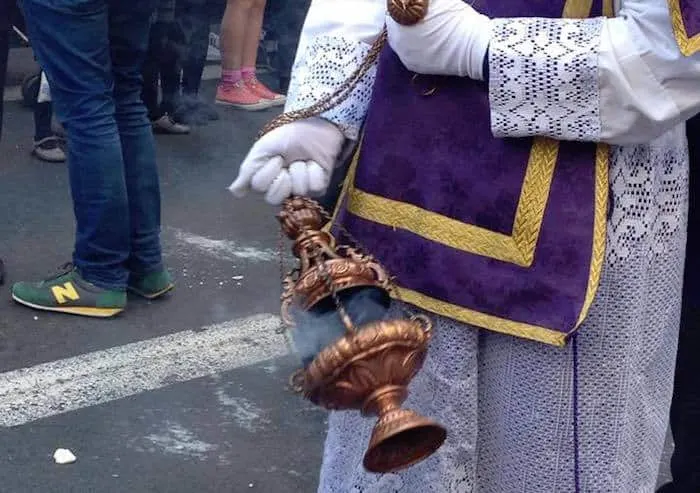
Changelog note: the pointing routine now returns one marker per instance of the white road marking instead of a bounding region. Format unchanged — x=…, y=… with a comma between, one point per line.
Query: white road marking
x=223, y=249
x=94, y=378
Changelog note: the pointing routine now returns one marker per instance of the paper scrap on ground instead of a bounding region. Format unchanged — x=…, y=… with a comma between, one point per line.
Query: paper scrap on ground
x=64, y=456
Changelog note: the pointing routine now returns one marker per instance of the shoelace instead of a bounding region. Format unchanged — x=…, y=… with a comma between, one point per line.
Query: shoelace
x=62, y=271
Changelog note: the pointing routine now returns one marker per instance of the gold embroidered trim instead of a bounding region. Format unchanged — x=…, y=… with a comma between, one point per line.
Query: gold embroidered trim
x=602, y=163
x=608, y=10
x=689, y=45
x=491, y=322
x=483, y=320
x=579, y=9
x=518, y=248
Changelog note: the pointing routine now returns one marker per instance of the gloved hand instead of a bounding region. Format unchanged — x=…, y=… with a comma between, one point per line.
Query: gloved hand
x=295, y=159
x=452, y=39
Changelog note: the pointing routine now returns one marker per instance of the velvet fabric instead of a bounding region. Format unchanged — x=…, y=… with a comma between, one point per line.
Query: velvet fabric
x=427, y=142
x=690, y=13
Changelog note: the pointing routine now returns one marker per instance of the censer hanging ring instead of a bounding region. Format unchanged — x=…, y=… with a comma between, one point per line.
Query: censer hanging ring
x=424, y=321
x=407, y=12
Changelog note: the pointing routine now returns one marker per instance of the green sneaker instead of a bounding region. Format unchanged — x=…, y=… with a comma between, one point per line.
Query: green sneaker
x=151, y=285
x=68, y=292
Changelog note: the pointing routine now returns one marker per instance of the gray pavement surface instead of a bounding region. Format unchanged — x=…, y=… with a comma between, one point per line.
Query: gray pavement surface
x=235, y=431
x=239, y=430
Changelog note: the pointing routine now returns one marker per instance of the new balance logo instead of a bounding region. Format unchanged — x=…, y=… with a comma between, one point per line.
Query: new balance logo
x=65, y=293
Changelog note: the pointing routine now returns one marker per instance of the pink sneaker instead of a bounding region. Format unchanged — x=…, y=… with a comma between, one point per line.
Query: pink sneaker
x=260, y=89
x=239, y=96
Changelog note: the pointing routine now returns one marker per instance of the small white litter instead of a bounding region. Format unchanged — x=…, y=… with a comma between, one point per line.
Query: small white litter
x=64, y=456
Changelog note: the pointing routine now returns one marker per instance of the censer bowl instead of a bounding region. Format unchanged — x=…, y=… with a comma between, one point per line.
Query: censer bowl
x=335, y=306
x=370, y=369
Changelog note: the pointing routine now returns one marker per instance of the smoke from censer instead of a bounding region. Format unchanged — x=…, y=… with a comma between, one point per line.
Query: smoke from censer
x=321, y=326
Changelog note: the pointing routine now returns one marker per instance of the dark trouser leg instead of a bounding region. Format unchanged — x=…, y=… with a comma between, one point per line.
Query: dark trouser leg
x=169, y=65
x=151, y=73
x=128, y=28
x=76, y=42
x=42, y=121
x=5, y=9
x=685, y=410
x=71, y=41
x=286, y=18
x=193, y=17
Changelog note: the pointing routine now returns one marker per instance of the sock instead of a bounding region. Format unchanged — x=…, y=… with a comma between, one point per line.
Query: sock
x=247, y=72
x=230, y=77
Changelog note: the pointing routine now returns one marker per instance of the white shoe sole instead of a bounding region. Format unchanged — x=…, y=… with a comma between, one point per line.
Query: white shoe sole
x=86, y=311
x=262, y=105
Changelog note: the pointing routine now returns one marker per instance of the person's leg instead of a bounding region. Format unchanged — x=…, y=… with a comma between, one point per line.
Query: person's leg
x=193, y=18
x=232, y=89
x=141, y=175
x=5, y=8
x=70, y=39
x=150, y=72
x=287, y=19
x=47, y=146
x=42, y=120
x=685, y=408
x=194, y=21
x=253, y=30
x=250, y=56
x=128, y=35
x=161, y=65
x=169, y=63
x=233, y=32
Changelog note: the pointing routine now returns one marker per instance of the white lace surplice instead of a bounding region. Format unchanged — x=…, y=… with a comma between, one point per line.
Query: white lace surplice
x=506, y=402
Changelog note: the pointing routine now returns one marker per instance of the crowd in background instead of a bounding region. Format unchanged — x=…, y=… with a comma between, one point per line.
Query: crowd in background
x=114, y=75
x=251, y=32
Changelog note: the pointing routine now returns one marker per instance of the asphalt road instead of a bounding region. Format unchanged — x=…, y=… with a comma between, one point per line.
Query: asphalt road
x=138, y=420
x=162, y=398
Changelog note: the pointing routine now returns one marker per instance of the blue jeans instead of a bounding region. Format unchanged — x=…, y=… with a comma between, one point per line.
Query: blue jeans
x=92, y=52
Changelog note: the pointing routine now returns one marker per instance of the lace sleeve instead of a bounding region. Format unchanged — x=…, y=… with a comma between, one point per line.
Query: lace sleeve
x=544, y=78
x=327, y=62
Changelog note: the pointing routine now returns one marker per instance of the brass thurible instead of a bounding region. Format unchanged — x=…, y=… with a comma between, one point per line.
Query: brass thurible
x=366, y=367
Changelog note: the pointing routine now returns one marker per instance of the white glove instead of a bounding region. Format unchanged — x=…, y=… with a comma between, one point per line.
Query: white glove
x=295, y=159
x=452, y=39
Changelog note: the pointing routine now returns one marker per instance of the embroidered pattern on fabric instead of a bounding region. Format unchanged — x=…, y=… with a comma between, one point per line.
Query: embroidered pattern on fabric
x=544, y=78
x=326, y=65
x=649, y=185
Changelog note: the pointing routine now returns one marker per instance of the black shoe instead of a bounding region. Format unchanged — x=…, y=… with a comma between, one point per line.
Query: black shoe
x=167, y=125
x=49, y=149
x=194, y=111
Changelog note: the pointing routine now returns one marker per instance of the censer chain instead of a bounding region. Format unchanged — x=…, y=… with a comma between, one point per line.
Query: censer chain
x=342, y=312
x=280, y=254
x=392, y=287
x=321, y=106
